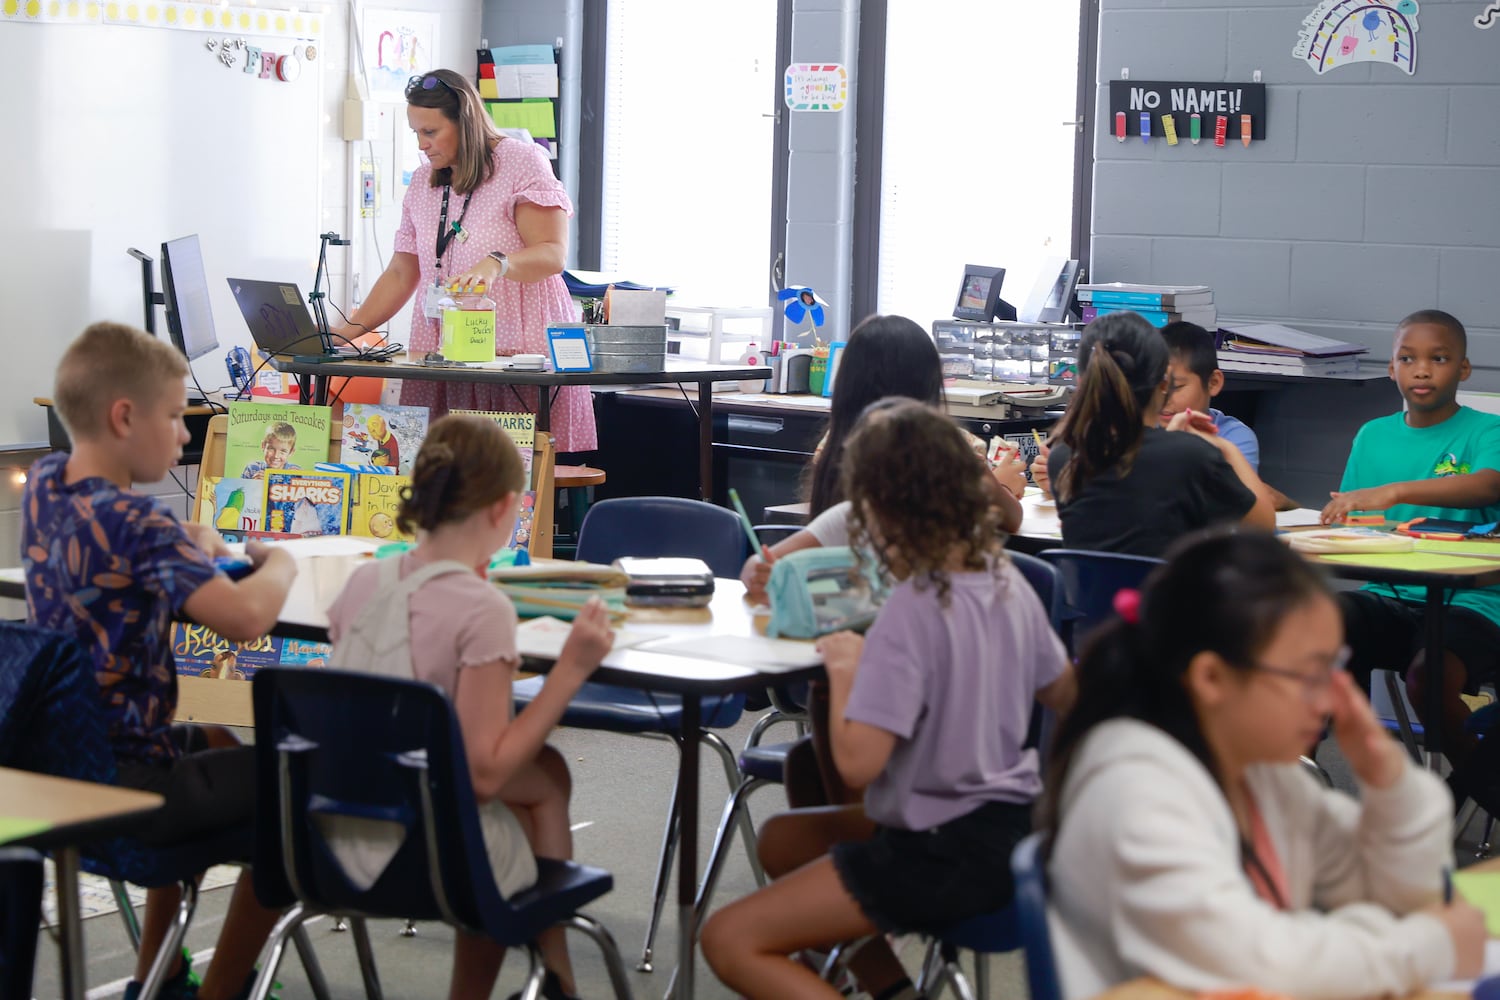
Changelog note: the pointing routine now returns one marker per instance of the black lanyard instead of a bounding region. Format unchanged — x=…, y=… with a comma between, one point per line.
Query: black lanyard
x=446, y=233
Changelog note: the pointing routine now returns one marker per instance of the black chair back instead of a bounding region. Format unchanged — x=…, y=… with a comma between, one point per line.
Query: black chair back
x=664, y=527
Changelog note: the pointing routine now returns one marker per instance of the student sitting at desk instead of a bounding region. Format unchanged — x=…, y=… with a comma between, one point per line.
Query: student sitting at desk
x=1436, y=459
x=1194, y=379
x=1185, y=841
x=887, y=356
x=1122, y=483
x=113, y=568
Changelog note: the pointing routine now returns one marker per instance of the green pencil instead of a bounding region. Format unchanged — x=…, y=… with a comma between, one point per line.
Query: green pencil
x=734, y=498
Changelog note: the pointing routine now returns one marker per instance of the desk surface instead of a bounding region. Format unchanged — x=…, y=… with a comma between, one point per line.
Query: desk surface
x=72, y=810
x=675, y=371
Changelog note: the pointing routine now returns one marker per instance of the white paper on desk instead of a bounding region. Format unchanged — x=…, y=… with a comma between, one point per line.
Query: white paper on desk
x=1466, y=986
x=757, y=651
x=544, y=637
x=326, y=545
x=1302, y=517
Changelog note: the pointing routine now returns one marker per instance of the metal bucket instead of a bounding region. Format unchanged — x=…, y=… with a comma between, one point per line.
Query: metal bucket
x=627, y=348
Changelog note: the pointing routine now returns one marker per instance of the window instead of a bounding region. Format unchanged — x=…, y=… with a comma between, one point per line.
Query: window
x=977, y=167
x=689, y=103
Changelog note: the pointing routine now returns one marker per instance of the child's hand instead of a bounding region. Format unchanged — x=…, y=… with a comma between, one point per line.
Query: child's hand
x=1375, y=758
x=1039, y=475
x=1374, y=498
x=259, y=553
x=590, y=639
x=207, y=538
x=1009, y=469
x=1196, y=421
x=1465, y=924
x=756, y=574
x=840, y=652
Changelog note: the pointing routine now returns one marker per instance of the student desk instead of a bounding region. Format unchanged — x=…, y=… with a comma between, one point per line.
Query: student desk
x=318, y=374
x=71, y=813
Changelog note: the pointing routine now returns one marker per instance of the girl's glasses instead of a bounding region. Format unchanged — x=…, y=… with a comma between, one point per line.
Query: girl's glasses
x=427, y=82
x=1313, y=685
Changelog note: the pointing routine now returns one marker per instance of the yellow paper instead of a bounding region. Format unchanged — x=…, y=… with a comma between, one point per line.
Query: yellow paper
x=1484, y=550
x=488, y=90
x=1417, y=562
x=469, y=334
x=1483, y=890
x=17, y=827
x=535, y=116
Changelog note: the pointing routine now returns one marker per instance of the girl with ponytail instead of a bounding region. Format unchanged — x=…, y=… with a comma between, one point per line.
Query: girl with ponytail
x=1122, y=484
x=1185, y=841
x=432, y=614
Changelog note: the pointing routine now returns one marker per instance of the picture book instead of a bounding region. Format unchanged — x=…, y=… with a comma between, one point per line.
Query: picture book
x=377, y=498
x=383, y=435
x=307, y=503
x=520, y=426
x=199, y=651
x=239, y=536
x=238, y=503
x=275, y=436
x=520, y=536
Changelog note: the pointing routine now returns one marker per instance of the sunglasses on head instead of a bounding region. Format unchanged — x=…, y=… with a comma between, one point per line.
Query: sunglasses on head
x=427, y=82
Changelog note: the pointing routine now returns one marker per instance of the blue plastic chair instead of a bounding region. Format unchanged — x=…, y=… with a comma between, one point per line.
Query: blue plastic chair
x=658, y=527
x=20, y=918
x=52, y=722
x=1090, y=582
x=1031, y=909
x=334, y=742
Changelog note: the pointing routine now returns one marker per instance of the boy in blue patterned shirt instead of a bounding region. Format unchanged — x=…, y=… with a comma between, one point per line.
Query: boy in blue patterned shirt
x=113, y=568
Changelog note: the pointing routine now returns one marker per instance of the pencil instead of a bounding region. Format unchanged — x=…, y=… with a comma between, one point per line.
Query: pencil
x=1037, y=438
x=734, y=498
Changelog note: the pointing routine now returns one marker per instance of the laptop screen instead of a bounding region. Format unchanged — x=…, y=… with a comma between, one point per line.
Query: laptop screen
x=277, y=318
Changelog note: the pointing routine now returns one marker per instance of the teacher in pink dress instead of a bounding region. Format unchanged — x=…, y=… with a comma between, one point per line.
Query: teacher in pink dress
x=484, y=209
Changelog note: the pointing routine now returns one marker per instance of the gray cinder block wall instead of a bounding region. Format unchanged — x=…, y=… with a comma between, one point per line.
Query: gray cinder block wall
x=1374, y=194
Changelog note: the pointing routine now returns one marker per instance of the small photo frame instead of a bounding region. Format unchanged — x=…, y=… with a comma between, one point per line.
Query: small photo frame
x=835, y=355
x=570, y=349
x=979, y=293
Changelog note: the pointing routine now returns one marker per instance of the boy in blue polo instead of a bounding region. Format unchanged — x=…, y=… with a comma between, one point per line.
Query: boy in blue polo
x=1194, y=379
x=1436, y=459
x=113, y=568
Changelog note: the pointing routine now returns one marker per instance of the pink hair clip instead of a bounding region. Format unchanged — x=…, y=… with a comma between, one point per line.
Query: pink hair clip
x=1127, y=605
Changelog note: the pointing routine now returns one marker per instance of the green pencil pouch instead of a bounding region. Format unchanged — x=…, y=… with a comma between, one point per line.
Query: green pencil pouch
x=817, y=591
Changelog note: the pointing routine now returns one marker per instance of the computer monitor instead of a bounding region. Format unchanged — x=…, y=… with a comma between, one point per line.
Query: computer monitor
x=190, y=319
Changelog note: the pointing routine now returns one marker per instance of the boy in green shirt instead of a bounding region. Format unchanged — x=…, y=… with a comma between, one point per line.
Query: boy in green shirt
x=1437, y=459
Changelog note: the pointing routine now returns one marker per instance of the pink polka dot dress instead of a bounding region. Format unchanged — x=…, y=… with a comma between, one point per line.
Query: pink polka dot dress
x=522, y=311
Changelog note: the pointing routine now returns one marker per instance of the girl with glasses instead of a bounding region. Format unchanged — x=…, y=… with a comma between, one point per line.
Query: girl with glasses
x=483, y=210
x=1185, y=841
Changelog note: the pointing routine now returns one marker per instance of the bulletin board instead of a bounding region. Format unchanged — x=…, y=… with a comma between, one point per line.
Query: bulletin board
x=123, y=136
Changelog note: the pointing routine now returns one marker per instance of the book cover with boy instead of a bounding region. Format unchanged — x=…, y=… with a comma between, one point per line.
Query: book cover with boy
x=199, y=651
x=275, y=436
x=238, y=503
x=383, y=435
x=521, y=427
x=377, y=499
x=307, y=503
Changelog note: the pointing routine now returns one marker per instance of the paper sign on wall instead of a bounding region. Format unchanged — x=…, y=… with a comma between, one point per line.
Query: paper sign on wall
x=1340, y=32
x=816, y=87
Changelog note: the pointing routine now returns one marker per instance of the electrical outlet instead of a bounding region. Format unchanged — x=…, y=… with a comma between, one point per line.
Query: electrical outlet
x=369, y=190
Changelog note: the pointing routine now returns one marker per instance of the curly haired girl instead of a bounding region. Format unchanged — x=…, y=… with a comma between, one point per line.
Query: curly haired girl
x=928, y=715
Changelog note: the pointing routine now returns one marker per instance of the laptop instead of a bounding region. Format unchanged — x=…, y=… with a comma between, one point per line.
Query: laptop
x=277, y=316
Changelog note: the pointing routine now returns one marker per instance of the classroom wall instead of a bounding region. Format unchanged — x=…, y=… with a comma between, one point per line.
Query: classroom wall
x=1373, y=195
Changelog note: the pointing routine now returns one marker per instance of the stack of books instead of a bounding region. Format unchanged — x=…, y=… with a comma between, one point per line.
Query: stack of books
x=1159, y=304
x=1271, y=347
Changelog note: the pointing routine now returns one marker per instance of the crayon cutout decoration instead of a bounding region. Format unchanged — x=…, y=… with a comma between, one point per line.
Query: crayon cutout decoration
x=802, y=303
x=1340, y=32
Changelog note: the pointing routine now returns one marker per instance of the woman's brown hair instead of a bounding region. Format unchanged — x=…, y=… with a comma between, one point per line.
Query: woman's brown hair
x=917, y=493
x=466, y=464
x=453, y=95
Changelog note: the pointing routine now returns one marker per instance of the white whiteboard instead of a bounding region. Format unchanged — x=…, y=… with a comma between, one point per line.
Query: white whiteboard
x=119, y=136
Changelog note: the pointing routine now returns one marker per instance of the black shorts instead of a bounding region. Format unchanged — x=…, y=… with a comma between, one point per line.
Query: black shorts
x=1385, y=633
x=205, y=790
x=928, y=880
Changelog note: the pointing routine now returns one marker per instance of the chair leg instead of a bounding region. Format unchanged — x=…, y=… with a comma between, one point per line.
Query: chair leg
x=613, y=964
x=172, y=943
x=720, y=850
x=534, y=974
x=659, y=886
x=1483, y=850
x=929, y=974
x=409, y=929
x=127, y=912
x=315, y=978
x=286, y=926
x=982, y=975
x=366, y=955
x=732, y=776
x=339, y=925
x=762, y=724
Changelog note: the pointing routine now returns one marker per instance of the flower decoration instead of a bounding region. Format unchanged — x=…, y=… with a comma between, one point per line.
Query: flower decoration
x=802, y=302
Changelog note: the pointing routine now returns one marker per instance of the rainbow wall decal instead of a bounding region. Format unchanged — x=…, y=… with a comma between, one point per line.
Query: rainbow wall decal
x=1340, y=32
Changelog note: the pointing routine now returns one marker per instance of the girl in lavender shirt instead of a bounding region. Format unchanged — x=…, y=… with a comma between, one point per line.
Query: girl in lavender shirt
x=928, y=715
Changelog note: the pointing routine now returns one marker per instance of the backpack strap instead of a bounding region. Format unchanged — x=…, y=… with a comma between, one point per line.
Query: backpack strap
x=379, y=639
